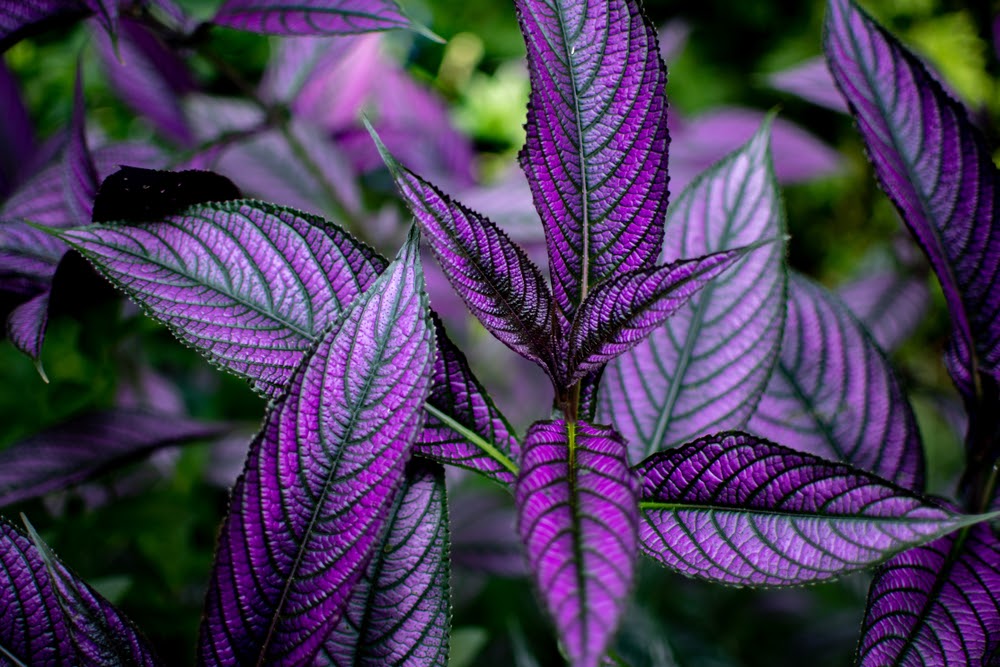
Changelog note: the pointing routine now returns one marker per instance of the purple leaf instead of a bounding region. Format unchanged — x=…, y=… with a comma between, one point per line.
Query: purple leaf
x=938, y=604
x=740, y=510
x=52, y=618
x=623, y=310
x=99, y=633
x=697, y=143
x=705, y=368
x=811, y=80
x=577, y=517
x=263, y=162
x=308, y=511
x=26, y=326
x=29, y=252
x=484, y=532
x=596, y=149
x=400, y=611
x=492, y=274
x=935, y=167
x=18, y=17
x=834, y=394
x=463, y=426
x=84, y=447
x=79, y=172
x=149, y=77
x=311, y=17
x=17, y=136
x=249, y=285
x=258, y=315
x=890, y=303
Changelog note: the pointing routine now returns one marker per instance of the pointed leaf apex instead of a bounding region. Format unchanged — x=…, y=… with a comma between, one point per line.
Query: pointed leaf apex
x=394, y=166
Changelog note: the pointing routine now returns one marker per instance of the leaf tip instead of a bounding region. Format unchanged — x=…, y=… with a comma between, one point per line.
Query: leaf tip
x=390, y=161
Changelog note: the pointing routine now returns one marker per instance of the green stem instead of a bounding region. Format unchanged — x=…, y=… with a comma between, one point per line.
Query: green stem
x=488, y=448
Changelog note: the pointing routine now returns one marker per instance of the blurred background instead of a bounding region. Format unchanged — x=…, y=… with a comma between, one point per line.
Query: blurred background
x=729, y=61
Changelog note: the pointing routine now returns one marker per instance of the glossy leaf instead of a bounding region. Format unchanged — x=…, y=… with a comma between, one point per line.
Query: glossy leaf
x=400, y=611
x=307, y=513
x=623, y=310
x=311, y=17
x=938, y=604
x=937, y=169
x=596, y=148
x=705, y=368
x=52, y=618
x=890, y=303
x=834, y=394
x=577, y=516
x=248, y=284
x=740, y=510
x=492, y=274
x=99, y=633
x=87, y=446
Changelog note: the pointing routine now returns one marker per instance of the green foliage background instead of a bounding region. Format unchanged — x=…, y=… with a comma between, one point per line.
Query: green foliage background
x=151, y=552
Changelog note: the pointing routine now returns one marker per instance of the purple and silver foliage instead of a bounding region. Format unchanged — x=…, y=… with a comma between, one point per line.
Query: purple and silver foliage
x=677, y=327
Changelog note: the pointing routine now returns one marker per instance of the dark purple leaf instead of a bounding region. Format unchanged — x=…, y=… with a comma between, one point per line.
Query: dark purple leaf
x=492, y=274
x=400, y=611
x=705, y=368
x=307, y=513
x=596, y=149
x=26, y=326
x=577, y=517
x=938, y=604
x=17, y=136
x=834, y=394
x=146, y=195
x=484, y=532
x=80, y=178
x=624, y=309
x=890, y=303
x=936, y=168
x=19, y=17
x=84, y=447
x=149, y=77
x=311, y=17
x=100, y=635
x=463, y=427
x=811, y=80
x=698, y=143
x=29, y=252
x=740, y=510
x=250, y=285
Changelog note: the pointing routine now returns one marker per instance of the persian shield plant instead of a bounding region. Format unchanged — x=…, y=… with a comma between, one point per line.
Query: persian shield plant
x=712, y=410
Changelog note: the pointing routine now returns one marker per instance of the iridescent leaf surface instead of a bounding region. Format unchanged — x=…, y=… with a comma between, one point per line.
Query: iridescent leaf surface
x=308, y=511
x=248, y=284
x=705, y=368
x=834, y=394
x=400, y=611
x=52, y=618
x=26, y=325
x=492, y=274
x=623, y=310
x=577, y=516
x=741, y=510
x=256, y=317
x=85, y=447
x=890, y=303
x=99, y=633
x=311, y=17
x=938, y=604
x=936, y=168
x=596, y=148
